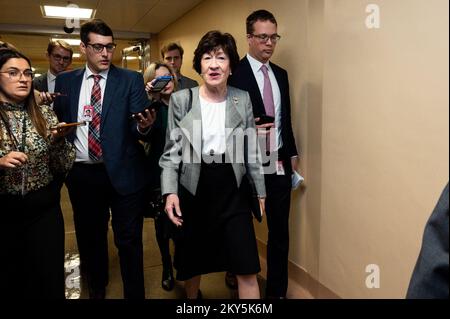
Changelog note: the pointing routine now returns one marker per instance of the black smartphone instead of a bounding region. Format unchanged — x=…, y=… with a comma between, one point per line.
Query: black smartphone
x=160, y=83
x=265, y=119
x=154, y=106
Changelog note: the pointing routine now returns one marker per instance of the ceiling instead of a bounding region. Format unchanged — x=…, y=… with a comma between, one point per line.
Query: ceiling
x=22, y=24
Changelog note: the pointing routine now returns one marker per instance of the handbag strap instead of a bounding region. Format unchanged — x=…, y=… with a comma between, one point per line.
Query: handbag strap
x=190, y=101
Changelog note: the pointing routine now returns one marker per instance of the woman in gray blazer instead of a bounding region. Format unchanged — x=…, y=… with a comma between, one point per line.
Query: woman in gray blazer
x=210, y=146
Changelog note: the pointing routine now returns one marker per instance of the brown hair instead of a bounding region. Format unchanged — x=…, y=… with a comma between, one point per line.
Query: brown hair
x=212, y=41
x=59, y=43
x=170, y=47
x=31, y=106
x=259, y=15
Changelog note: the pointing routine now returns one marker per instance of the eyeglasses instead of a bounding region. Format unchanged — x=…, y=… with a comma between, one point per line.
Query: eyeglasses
x=58, y=58
x=263, y=38
x=98, y=48
x=15, y=75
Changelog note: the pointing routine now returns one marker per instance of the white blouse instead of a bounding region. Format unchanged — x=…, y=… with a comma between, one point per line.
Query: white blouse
x=213, y=127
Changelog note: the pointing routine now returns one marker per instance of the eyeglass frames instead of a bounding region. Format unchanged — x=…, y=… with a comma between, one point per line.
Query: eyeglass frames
x=98, y=48
x=263, y=38
x=15, y=74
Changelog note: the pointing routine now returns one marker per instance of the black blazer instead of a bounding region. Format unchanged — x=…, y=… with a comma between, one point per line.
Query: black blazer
x=244, y=79
x=123, y=155
x=40, y=83
x=431, y=273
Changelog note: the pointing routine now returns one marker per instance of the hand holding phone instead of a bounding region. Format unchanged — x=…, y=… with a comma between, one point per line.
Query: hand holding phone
x=67, y=125
x=264, y=119
x=159, y=83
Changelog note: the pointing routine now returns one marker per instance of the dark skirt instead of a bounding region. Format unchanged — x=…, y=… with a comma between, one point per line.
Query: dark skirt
x=217, y=232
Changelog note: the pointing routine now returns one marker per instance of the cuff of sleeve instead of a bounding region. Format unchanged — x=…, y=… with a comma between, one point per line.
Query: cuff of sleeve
x=144, y=133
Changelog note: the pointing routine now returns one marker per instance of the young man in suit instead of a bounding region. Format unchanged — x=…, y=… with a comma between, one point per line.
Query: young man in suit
x=59, y=55
x=172, y=54
x=109, y=173
x=268, y=87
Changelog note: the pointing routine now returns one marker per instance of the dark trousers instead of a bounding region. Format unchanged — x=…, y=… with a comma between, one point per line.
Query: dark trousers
x=32, y=245
x=93, y=197
x=278, y=188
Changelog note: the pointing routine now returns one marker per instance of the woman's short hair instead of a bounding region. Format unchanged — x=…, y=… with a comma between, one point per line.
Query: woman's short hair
x=213, y=41
x=150, y=72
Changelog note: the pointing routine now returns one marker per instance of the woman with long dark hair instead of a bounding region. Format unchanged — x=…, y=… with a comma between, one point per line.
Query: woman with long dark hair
x=33, y=150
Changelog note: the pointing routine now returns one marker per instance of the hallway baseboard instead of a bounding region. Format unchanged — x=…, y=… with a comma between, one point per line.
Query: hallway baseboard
x=301, y=284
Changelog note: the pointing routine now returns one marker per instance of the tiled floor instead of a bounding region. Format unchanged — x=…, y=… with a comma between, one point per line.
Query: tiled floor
x=212, y=285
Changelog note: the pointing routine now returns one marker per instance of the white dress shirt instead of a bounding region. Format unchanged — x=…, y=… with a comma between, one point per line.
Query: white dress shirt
x=256, y=68
x=51, y=80
x=82, y=133
x=213, y=127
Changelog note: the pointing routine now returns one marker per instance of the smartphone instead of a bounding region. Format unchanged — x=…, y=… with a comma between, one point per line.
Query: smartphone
x=265, y=119
x=68, y=125
x=160, y=83
x=56, y=94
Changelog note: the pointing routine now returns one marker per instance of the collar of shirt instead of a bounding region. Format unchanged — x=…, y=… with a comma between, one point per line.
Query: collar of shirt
x=50, y=76
x=89, y=73
x=256, y=65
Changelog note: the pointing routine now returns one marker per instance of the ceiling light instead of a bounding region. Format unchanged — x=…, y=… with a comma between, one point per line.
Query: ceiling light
x=76, y=55
x=73, y=42
x=67, y=12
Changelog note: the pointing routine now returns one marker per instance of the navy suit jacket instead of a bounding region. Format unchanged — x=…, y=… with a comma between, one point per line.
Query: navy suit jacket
x=244, y=79
x=124, y=95
x=431, y=273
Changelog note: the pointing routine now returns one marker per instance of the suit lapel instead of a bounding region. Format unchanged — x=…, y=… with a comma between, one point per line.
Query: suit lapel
x=253, y=89
x=281, y=85
x=232, y=115
x=112, y=85
x=75, y=94
x=191, y=124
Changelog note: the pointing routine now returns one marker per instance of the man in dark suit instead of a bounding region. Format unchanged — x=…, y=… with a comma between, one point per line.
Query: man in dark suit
x=431, y=274
x=268, y=87
x=110, y=172
x=59, y=55
x=172, y=54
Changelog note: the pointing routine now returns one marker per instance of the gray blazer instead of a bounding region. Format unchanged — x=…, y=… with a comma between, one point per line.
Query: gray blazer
x=185, y=144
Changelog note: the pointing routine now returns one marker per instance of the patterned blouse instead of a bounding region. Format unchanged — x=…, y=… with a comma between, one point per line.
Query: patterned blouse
x=44, y=157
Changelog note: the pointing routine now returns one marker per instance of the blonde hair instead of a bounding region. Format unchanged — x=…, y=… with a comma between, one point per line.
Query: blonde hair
x=59, y=43
x=150, y=73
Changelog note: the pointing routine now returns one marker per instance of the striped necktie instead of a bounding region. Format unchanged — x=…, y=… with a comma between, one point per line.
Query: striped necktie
x=95, y=149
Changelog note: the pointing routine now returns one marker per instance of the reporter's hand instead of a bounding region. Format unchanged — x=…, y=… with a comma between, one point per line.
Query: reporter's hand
x=149, y=89
x=13, y=160
x=262, y=206
x=59, y=132
x=43, y=98
x=173, y=203
x=263, y=129
x=145, y=119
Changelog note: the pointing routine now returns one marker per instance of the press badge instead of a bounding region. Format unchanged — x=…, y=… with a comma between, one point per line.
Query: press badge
x=280, y=168
x=88, y=112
